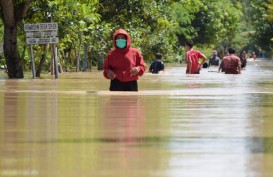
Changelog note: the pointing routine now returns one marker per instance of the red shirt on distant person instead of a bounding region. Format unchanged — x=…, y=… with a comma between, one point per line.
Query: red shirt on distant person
x=231, y=63
x=192, y=59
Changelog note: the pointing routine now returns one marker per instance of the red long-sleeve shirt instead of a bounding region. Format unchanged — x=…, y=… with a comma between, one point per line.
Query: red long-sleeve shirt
x=122, y=61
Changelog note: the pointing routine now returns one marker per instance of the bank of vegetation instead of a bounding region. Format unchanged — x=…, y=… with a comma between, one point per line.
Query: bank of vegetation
x=86, y=28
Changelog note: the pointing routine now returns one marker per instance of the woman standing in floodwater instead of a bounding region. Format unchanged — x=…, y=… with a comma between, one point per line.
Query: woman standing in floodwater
x=123, y=64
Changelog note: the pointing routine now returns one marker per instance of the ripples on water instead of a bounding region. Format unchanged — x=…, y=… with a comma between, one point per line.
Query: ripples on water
x=210, y=124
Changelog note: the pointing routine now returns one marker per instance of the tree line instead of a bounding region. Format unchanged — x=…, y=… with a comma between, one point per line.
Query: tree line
x=86, y=28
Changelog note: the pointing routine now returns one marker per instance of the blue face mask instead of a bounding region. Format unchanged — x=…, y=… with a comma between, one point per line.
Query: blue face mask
x=121, y=43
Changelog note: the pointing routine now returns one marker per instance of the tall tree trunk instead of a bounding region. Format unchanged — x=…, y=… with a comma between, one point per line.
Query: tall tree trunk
x=13, y=60
x=42, y=61
x=84, y=64
x=100, y=62
x=39, y=69
x=79, y=53
x=12, y=14
x=52, y=60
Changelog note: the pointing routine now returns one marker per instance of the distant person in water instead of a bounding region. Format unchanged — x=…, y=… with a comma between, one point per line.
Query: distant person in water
x=254, y=56
x=192, y=59
x=231, y=63
x=205, y=65
x=243, y=58
x=123, y=64
x=221, y=67
x=214, y=60
x=157, y=65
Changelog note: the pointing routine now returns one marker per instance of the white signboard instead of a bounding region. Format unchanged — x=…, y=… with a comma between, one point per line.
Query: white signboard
x=41, y=27
x=51, y=40
x=43, y=33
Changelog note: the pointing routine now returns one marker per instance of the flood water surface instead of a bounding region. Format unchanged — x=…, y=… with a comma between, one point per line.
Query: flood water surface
x=207, y=125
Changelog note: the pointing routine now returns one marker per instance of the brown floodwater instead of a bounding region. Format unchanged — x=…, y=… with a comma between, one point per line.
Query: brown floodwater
x=207, y=125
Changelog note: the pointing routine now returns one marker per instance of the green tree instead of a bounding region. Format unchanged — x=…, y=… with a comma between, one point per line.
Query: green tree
x=269, y=15
x=184, y=14
x=76, y=20
x=263, y=25
x=207, y=21
x=149, y=23
x=12, y=13
x=87, y=26
x=269, y=11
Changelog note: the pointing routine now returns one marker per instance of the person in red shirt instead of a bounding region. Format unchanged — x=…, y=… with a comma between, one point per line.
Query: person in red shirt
x=123, y=64
x=231, y=63
x=192, y=59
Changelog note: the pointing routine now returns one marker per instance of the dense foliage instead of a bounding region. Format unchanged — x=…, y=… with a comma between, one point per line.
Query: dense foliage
x=262, y=21
x=86, y=27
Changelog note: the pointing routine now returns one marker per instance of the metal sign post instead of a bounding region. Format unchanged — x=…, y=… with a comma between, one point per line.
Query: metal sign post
x=55, y=61
x=42, y=33
x=32, y=62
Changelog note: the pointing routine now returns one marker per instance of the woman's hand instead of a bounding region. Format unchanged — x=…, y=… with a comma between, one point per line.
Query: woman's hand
x=134, y=71
x=111, y=75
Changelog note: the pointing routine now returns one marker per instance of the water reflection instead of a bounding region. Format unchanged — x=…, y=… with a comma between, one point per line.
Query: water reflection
x=210, y=124
x=9, y=126
x=123, y=118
